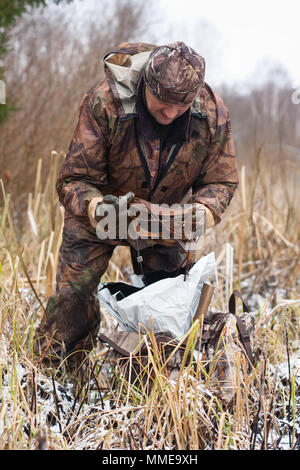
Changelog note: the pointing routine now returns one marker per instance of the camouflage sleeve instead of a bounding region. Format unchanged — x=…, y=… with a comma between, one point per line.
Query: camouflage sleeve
x=219, y=176
x=83, y=172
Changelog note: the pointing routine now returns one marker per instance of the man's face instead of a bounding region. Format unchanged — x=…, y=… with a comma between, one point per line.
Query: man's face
x=164, y=113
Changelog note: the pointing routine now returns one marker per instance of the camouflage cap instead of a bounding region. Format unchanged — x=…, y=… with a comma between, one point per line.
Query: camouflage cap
x=174, y=73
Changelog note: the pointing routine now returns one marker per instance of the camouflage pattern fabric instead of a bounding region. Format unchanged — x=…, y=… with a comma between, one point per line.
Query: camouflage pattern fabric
x=109, y=154
x=174, y=73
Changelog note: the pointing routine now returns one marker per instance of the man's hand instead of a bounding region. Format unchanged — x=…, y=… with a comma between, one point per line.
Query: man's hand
x=113, y=211
x=98, y=205
x=119, y=203
x=170, y=225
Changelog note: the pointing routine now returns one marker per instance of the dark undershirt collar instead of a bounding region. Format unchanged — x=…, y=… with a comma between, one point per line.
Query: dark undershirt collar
x=174, y=133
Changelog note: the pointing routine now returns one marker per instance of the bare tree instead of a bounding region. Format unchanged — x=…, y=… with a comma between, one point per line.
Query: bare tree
x=265, y=116
x=54, y=60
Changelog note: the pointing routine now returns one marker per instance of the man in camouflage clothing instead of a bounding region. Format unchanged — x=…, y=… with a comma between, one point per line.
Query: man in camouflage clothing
x=154, y=129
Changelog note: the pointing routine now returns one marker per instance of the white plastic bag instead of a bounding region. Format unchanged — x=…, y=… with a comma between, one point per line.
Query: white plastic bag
x=170, y=303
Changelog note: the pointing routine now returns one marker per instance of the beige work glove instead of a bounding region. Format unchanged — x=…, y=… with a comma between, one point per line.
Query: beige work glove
x=92, y=210
x=195, y=250
x=209, y=218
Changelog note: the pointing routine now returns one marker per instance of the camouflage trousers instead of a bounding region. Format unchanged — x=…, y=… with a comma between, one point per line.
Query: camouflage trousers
x=72, y=316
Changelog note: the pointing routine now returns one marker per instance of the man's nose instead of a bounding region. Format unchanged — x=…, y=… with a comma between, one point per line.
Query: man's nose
x=170, y=112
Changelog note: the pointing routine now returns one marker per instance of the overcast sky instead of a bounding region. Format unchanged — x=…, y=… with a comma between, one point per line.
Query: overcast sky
x=240, y=40
x=245, y=34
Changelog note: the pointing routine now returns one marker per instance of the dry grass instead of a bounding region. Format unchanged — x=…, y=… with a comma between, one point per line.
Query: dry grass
x=257, y=251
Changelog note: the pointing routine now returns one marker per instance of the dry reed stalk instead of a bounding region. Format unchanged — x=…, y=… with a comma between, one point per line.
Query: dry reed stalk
x=283, y=304
x=243, y=189
x=57, y=242
x=37, y=179
x=18, y=249
x=53, y=196
x=172, y=414
x=228, y=270
x=165, y=395
x=49, y=249
x=31, y=218
x=271, y=227
x=295, y=270
x=50, y=276
x=37, y=202
x=258, y=240
x=40, y=262
x=220, y=431
x=240, y=246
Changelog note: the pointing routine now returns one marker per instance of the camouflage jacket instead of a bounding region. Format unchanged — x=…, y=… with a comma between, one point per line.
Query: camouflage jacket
x=109, y=154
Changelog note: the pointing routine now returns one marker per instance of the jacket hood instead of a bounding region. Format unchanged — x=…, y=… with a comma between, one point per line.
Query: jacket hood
x=123, y=66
